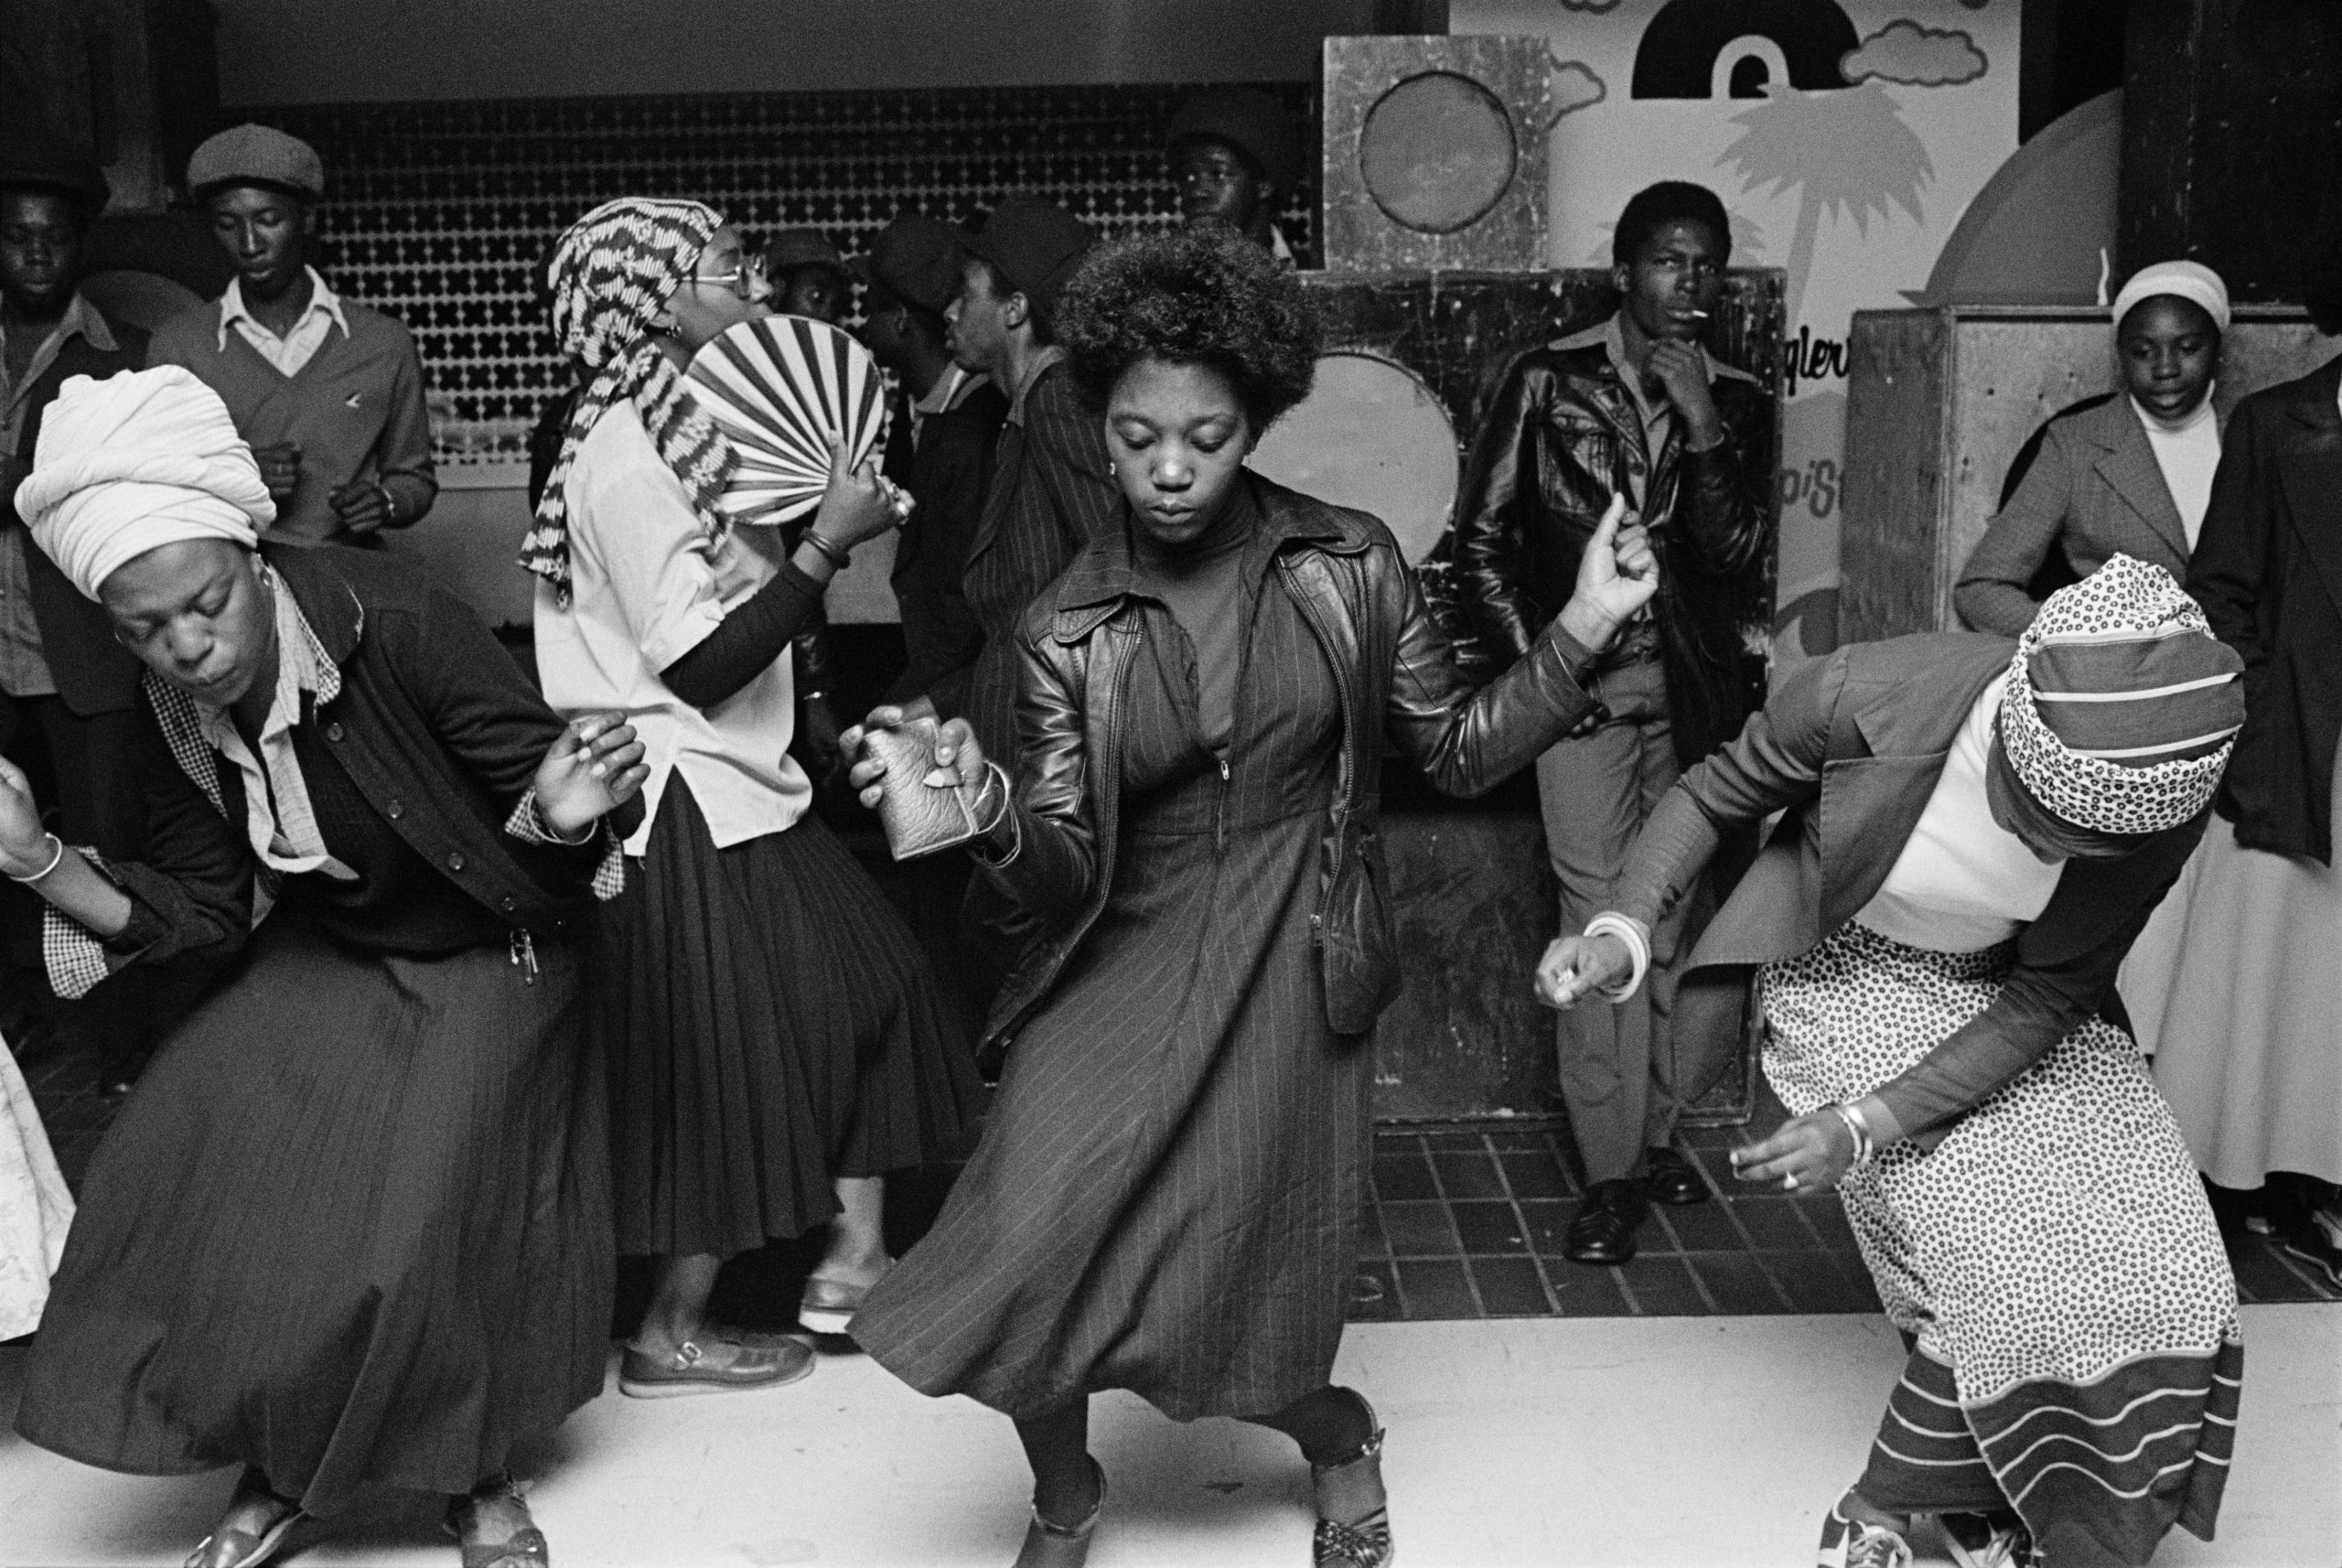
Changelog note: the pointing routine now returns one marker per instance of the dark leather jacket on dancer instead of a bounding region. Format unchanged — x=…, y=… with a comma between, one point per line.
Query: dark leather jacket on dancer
x=1562, y=434
x=1397, y=681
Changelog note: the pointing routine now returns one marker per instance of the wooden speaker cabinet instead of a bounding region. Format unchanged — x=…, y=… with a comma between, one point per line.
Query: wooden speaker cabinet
x=1939, y=402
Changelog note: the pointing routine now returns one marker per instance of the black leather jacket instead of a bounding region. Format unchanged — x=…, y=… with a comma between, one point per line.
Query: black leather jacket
x=1562, y=434
x=1397, y=682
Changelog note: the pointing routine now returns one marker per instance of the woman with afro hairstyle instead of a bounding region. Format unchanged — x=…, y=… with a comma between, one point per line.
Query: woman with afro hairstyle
x=1167, y=1196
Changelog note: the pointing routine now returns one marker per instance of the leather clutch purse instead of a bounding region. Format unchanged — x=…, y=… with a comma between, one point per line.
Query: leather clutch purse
x=925, y=808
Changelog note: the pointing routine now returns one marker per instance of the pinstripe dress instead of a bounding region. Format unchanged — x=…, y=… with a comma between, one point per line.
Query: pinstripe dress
x=1166, y=1199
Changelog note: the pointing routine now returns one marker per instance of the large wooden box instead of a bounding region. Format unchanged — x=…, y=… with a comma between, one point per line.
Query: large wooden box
x=1939, y=402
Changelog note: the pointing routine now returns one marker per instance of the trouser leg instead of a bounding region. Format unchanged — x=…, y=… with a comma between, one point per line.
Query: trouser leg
x=1656, y=771
x=1590, y=793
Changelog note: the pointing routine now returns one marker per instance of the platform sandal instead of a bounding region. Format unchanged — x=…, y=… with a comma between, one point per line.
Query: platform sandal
x=525, y=1548
x=1360, y=1544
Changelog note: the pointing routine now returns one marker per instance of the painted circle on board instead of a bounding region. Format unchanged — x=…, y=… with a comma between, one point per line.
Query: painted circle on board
x=1437, y=151
x=1371, y=436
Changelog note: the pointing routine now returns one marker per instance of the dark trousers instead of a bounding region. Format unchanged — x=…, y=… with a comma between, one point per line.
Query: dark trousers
x=1618, y=1062
x=85, y=778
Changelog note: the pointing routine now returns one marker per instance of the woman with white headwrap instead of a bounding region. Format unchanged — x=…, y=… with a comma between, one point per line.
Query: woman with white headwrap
x=2127, y=473
x=775, y=1036
x=1973, y=834
x=352, y=1228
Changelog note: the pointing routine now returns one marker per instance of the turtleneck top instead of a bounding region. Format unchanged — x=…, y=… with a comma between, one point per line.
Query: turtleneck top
x=2188, y=450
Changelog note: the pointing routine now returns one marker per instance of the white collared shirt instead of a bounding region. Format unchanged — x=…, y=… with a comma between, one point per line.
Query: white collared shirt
x=299, y=345
x=647, y=586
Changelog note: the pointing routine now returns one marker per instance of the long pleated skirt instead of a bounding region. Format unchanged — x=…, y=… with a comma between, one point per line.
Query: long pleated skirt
x=770, y=1024
x=2055, y=1251
x=2236, y=987
x=352, y=1228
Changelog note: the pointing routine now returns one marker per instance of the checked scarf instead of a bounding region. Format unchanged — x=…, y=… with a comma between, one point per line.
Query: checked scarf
x=610, y=275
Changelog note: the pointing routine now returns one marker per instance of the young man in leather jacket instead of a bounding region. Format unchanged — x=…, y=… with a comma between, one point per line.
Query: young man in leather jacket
x=1634, y=406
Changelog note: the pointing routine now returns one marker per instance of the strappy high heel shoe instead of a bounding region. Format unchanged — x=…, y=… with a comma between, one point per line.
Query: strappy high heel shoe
x=1051, y=1545
x=1363, y=1543
x=525, y=1548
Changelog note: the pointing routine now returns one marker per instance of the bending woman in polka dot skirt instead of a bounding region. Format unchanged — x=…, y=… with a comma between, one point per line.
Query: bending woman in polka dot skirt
x=1975, y=834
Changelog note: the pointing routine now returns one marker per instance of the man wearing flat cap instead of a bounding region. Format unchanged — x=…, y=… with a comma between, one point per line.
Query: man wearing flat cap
x=1233, y=158
x=946, y=431
x=66, y=687
x=809, y=277
x=1052, y=489
x=328, y=393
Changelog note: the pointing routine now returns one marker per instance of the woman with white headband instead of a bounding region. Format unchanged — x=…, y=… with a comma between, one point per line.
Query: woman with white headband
x=2130, y=472
x=1973, y=834
x=352, y=1231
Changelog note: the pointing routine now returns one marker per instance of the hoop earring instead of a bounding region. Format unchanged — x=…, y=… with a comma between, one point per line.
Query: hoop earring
x=1111, y=468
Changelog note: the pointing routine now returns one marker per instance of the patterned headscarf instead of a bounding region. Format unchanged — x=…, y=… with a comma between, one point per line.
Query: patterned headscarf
x=2122, y=708
x=610, y=275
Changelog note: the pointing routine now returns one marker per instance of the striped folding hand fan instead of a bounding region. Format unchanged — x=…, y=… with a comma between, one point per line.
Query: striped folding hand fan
x=780, y=387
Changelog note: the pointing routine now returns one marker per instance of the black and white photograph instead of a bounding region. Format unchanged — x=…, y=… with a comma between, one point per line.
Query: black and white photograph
x=1157, y=783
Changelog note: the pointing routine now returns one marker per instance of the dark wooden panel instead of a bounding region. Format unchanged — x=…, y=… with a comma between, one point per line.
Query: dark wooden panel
x=2233, y=138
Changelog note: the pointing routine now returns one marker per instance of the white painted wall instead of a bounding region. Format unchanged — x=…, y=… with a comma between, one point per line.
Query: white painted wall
x=332, y=52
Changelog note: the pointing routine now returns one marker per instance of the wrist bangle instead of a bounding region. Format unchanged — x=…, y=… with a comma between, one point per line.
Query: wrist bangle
x=827, y=551
x=996, y=774
x=1611, y=924
x=1864, y=1145
x=55, y=860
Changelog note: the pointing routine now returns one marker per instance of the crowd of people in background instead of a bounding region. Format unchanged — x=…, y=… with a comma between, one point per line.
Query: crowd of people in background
x=462, y=978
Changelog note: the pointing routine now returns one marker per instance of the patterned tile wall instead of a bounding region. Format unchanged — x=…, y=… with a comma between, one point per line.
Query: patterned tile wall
x=439, y=210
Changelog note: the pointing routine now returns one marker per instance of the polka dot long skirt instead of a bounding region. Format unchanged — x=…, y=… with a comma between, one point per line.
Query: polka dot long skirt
x=2054, y=1248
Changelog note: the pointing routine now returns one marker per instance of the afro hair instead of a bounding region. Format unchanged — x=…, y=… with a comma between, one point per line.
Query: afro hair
x=1204, y=296
x=1653, y=207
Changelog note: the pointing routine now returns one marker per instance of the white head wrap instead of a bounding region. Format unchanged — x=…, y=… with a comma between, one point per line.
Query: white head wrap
x=2191, y=281
x=135, y=462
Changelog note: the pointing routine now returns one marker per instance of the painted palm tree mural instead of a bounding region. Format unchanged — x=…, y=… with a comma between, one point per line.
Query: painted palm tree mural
x=1847, y=153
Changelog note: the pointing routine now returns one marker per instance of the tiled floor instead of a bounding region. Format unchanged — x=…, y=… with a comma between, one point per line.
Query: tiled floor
x=1466, y=1222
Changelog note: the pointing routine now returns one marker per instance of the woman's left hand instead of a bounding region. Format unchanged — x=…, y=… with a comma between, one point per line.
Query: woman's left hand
x=593, y=768
x=1808, y=1152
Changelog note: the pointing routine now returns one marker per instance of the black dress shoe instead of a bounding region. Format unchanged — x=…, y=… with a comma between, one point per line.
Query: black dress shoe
x=1671, y=1179
x=1602, y=1231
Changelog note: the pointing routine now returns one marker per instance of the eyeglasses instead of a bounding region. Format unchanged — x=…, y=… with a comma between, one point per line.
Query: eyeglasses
x=746, y=279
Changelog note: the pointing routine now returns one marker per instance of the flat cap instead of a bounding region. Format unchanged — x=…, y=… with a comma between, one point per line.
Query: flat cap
x=40, y=162
x=1033, y=244
x=915, y=258
x=1248, y=120
x=255, y=154
x=802, y=248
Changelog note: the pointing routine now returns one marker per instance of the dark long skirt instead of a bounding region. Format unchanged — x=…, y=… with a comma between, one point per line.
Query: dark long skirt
x=352, y=1228
x=771, y=1024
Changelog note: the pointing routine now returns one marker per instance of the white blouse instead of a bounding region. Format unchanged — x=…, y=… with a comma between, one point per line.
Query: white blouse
x=1963, y=883
x=647, y=584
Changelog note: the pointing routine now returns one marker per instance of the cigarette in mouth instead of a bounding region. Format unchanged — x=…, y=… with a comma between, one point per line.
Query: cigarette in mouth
x=1700, y=313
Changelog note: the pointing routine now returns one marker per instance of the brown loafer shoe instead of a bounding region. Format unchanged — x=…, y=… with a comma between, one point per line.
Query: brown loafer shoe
x=693, y=1370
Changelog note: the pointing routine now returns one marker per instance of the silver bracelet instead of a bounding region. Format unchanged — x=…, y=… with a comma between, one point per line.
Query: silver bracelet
x=54, y=862
x=995, y=773
x=1864, y=1145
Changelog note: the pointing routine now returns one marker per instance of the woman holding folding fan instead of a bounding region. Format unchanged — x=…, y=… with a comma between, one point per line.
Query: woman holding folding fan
x=775, y=1045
